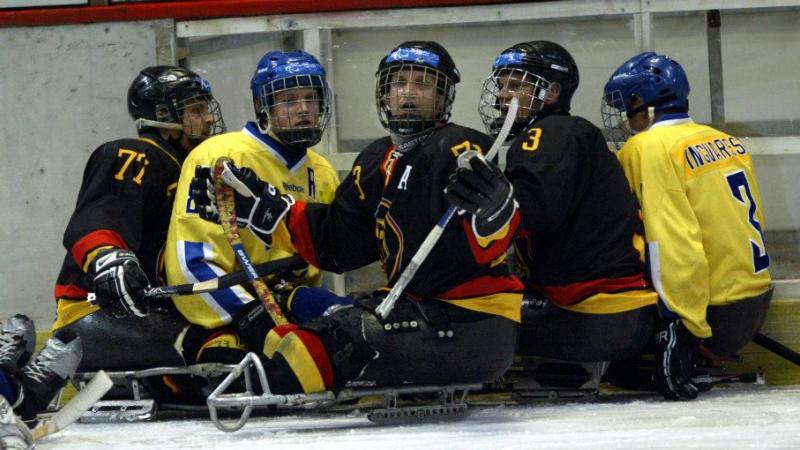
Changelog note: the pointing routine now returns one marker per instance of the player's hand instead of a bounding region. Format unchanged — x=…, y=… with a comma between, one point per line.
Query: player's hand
x=259, y=205
x=674, y=357
x=201, y=192
x=119, y=282
x=481, y=189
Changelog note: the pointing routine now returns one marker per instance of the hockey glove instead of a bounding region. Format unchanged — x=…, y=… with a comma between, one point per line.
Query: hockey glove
x=119, y=282
x=259, y=205
x=674, y=358
x=481, y=189
x=201, y=191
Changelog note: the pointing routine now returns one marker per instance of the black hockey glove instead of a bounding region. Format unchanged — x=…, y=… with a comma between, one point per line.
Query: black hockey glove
x=674, y=358
x=119, y=283
x=259, y=205
x=483, y=190
x=201, y=191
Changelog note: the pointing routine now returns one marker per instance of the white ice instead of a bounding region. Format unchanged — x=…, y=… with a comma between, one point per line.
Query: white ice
x=750, y=416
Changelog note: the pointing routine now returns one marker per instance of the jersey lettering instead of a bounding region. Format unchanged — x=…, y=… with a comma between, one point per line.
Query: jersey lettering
x=534, y=137
x=737, y=181
x=403, y=184
x=357, y=182
x=312, y=187
x=131, y=156
x=465, y=146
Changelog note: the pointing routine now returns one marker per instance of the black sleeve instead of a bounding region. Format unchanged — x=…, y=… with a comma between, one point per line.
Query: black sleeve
x=110, y=209
x=341, y=236
x=545, y=166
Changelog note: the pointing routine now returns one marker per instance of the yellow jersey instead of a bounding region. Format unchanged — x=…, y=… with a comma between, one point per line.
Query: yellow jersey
x=703, y=217
x=196, y=250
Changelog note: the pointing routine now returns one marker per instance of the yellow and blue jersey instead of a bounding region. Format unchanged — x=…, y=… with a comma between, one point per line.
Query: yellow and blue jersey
x=197, y=250
x=703, y=217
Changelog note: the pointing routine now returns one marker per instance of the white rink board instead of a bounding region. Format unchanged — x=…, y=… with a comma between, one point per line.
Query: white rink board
x=742, y=417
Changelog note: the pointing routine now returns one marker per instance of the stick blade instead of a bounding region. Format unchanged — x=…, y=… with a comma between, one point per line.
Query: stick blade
x=88, y=396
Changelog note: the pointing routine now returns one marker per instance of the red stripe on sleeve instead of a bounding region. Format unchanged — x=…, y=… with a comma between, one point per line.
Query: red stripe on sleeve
x=69, y=291
x=91, y=241
x=301, y=233
x=497, y=247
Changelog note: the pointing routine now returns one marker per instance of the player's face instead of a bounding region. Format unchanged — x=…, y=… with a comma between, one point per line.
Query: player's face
x=296, y=108
x=198, y=120
x=412, y=93
x=517, y=83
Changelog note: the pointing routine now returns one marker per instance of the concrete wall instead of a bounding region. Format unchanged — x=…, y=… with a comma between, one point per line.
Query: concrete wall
x=62, y=93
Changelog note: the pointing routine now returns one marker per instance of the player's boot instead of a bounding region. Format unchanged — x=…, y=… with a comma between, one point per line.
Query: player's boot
x=47, y=373
x=14, y=434
x=17, y=341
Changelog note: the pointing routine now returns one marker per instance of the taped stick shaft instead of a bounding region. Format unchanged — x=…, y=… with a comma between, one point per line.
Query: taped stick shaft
x=227, y=217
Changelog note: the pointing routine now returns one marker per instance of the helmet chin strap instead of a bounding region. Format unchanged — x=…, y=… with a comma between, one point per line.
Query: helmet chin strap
x=144, y=123
x=260, y=128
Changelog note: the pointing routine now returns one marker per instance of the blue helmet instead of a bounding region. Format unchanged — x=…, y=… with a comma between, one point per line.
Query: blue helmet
x=657, y=80
x=280, y=71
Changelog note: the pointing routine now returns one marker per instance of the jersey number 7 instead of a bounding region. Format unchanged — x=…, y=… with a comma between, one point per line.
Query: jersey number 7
x=737, y=181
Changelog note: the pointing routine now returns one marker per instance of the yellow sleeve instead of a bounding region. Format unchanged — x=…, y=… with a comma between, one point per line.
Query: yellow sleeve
x=675, y=253
x=197, y=250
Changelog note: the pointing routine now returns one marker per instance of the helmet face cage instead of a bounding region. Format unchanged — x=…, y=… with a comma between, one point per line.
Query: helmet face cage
x=297, y=108
x=498, y=90
x=616, y=127
x=412, y=98
x=200, y=115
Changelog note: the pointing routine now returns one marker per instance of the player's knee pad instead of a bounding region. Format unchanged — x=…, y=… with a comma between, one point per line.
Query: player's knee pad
x=304, y=353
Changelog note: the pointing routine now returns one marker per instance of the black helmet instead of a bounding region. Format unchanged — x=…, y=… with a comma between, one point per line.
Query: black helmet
x=159, y=96
x=526, y=71
x=548, y=60
x=435, y=62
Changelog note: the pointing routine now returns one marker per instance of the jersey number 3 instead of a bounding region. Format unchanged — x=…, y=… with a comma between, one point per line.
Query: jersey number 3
x=737, y=181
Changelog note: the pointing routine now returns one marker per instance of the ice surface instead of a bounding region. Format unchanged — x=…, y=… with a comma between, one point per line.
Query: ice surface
x=749, y=416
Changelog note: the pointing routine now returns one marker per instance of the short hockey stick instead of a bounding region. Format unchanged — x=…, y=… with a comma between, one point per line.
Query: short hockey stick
x=777, y=348
x=227, y=217
x=226, y=281
x=433, y=236
x=88, y=396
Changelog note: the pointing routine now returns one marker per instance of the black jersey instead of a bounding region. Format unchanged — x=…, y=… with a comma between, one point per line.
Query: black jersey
x=125, y=201
x=580, y=221
x=386, y=207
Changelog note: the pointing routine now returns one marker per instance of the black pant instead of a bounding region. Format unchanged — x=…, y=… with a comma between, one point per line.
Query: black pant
x=128, y=343
x=553, y=332
x=427, y=343
x=735, y=324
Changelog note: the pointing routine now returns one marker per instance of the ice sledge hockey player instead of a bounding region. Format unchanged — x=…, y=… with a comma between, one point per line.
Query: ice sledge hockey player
x=579, y=245
x=29, y=382
x=116, y=234
x=457, y=320
x=292, y=102
x=703, y=219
